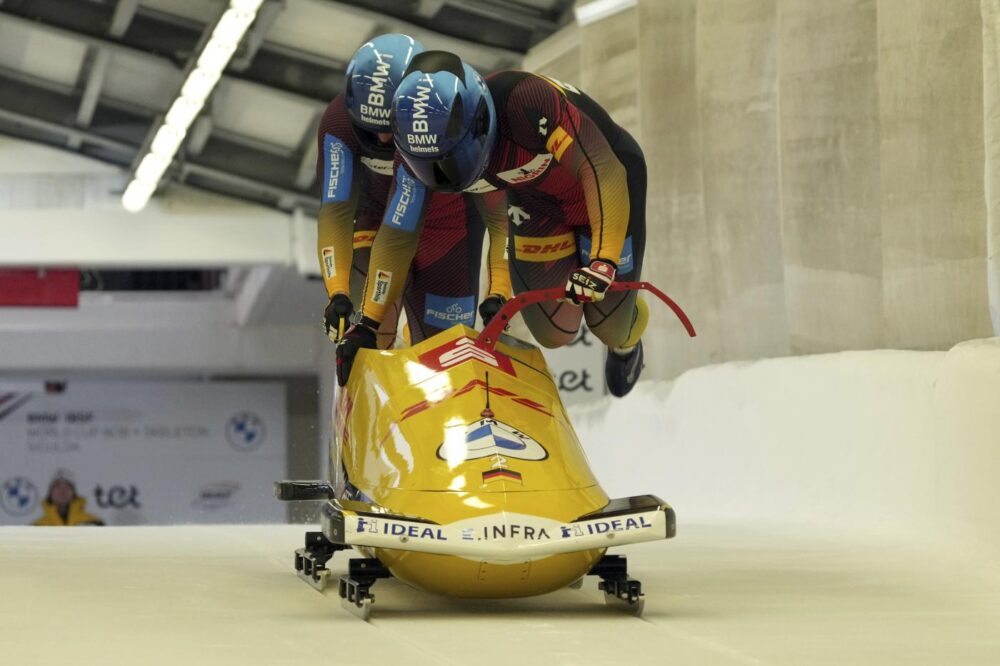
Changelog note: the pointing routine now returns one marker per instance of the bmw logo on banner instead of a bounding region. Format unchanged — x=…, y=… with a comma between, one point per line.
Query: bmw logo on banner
x=18, y=496
x=245, y=431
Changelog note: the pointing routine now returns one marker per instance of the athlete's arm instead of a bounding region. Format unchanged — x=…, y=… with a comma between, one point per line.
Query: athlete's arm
x=335, y=245
x=544, y=118
x=392, y=254
x=340, y=178
x=492, y=207
x=395, y=244
x=338, y=167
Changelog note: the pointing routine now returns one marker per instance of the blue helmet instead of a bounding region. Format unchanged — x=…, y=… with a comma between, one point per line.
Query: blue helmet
x=444, y=121
x=372, y=77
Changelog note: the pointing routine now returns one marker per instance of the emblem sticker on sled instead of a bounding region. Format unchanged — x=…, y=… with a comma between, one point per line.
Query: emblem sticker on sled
x=461, y=350
x=486, y=438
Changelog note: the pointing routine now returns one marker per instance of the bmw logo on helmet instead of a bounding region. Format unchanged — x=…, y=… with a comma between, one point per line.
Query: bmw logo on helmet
x=444, y=121
x=372, y=77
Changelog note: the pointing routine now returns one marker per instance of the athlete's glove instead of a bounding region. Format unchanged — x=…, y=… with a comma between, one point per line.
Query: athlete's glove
x=586, y=285
x=490, y=307
x=337, y=316
x=359, y=336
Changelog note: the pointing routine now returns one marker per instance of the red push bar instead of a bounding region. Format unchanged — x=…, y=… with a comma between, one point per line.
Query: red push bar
x=488, y=338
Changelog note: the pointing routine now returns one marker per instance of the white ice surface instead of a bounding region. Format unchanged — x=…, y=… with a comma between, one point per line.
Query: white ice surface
x=725, y=594
x=831, y=510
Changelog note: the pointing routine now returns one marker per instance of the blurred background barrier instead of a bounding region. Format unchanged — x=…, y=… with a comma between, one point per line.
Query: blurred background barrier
x=141, y=452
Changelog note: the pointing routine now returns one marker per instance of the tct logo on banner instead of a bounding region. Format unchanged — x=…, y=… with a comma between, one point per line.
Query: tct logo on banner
x=245, y=431
x=18, y=496
x=117, y=497
x=578, y=368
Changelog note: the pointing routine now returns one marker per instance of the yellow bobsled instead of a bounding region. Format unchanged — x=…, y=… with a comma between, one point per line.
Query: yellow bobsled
x=455, y=469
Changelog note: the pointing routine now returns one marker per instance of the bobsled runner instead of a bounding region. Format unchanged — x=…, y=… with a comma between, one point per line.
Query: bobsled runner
x=454, y=468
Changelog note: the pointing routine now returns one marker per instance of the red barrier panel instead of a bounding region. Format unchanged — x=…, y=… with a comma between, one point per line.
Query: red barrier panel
x=40, y=288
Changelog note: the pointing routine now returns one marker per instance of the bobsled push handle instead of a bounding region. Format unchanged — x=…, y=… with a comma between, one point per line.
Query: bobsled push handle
x=488, y=338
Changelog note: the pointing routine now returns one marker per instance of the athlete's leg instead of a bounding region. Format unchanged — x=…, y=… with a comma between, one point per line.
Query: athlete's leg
x=620, y=319
x=616, y=320
x=443, y=288
x=543, y=252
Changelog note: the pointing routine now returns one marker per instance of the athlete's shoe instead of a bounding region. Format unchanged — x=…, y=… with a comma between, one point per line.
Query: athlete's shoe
x=622, y=372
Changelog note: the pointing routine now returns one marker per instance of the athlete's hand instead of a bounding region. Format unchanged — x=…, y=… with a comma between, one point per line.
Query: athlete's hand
x=337, y=316
x=357, y=337
x=587, y=285
x=490, y=307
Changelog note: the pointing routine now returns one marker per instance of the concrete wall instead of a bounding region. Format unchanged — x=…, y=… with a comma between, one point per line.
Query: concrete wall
x=991, y=135
x=933, y=201
x=816, y=168
x=830, y=174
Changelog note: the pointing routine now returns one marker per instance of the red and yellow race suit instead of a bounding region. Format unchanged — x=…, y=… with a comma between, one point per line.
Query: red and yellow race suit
x=436, y=238
x=573, y=187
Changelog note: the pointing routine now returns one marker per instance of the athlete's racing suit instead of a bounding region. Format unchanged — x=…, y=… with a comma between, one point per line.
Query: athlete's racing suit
x=574, y=186
x=576, y=192
x=440, y=273
x=438, y=238
x=354, y=172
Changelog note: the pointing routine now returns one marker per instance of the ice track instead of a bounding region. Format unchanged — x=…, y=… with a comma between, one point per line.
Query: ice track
x=722, y=594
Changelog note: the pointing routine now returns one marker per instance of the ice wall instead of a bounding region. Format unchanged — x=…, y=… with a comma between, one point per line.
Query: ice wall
x=879, y=440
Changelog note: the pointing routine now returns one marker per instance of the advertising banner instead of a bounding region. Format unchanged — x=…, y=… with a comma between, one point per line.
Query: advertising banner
x=140, y=453
x=578, y=368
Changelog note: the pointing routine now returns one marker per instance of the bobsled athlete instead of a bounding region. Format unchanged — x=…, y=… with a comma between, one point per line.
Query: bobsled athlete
x=575, y=184
x=355, y=161
x=437, y=282
x=436, y=237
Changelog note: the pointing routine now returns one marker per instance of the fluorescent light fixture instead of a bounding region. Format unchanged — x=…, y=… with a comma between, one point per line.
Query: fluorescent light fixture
x=200, y=83
x=167, y=140
x=152, y=167
x=599, y=9
x=226, y=36
x=232, y=25
x=246, y=5
x=137, y=195
x=183, y=112
x=216, y=56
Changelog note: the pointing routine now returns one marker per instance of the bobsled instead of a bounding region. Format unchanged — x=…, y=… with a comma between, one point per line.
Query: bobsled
x=455, y=469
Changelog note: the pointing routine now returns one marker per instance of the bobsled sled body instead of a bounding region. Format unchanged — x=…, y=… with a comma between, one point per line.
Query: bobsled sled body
x=455, y=465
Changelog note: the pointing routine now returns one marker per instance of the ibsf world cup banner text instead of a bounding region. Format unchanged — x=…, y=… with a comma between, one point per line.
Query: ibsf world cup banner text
x=138, y=453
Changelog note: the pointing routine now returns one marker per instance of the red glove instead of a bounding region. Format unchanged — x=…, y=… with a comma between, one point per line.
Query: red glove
x=586, y=285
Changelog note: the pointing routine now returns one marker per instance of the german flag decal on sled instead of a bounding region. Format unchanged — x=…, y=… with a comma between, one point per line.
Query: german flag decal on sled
x=504, y=474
